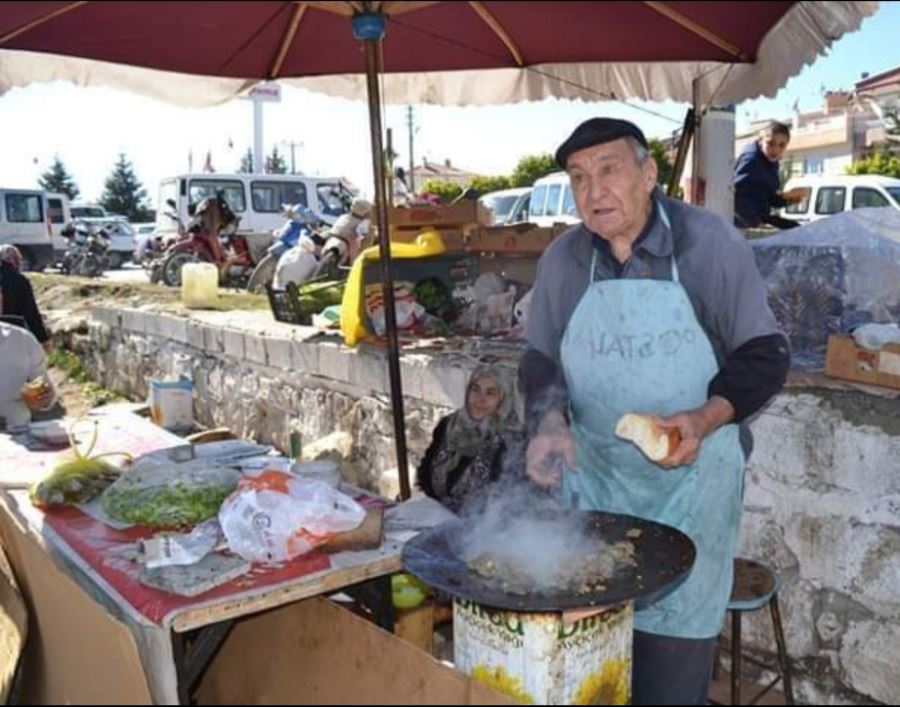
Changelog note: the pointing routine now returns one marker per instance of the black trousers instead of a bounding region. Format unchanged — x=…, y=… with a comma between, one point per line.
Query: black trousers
x=671, y=671
x=779, y=222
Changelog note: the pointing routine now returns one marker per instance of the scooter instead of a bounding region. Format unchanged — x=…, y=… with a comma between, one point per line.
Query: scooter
x=300, y=222
x=329, y=250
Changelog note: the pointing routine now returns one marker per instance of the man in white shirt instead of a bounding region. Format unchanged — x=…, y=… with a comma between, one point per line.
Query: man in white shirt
x=22, y=362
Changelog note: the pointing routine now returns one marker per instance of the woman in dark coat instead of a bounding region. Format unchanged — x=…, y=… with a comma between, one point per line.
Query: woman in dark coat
x=17, y=303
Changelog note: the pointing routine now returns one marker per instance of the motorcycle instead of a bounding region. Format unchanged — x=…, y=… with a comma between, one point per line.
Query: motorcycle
x=212, y=238
x=300, y=222
x=325, y=252
x=150, y=252
x=88, y=252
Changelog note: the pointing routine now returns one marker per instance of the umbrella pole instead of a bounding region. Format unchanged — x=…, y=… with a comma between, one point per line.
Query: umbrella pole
x=387, y=278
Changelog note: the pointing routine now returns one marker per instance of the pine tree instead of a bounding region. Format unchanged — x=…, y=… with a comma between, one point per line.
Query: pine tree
x=58, y=180
x=275, y=163
x=123, y=193
x=246, y=166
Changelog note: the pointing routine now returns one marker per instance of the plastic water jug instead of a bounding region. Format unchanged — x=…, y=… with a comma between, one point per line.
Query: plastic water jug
x=199, y=285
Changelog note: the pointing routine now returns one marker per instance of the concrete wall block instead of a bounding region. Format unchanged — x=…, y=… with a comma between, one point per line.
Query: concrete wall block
x=173, y=328
x=866, y=461
x=108, y=315
x=835, y=553
x=213, y=339
x=278, y=354
x=412, y=371
x=334, y=362
x=196, y=338
x=869, y=658
x=369, y=370
x=234, y=344
x=444, y=385
x=255, y=348
x=134, y=321
x=305, y=357
x=152, y=324
x=787, y=461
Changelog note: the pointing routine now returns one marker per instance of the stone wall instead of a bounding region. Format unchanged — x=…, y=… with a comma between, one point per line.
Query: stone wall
x=822, y=502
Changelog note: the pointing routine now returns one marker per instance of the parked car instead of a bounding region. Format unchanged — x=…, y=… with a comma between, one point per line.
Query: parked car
x=509, y=206
x=83, y=209
x=552, y=201
x=143, y=229
x=824, y=195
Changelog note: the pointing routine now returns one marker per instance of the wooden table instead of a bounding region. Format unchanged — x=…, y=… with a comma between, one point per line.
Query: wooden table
x=121, y=642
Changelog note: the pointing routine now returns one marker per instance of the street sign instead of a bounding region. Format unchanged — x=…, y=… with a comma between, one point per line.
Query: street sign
x=265, y=93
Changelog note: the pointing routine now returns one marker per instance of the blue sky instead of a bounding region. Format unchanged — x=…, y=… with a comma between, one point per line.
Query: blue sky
x=88, y=127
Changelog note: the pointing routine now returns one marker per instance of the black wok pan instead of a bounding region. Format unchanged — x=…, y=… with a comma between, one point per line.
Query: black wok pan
x=663, y=557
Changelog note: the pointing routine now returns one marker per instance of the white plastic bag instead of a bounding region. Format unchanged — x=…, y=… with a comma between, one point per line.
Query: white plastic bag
x=876, y=336
x=409, y=312
x=297, y=265
x=275, y=517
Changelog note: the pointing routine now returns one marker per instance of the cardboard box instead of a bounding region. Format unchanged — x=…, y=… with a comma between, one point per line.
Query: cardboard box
x=850, y=362
x=523, y=238
x=465, y=212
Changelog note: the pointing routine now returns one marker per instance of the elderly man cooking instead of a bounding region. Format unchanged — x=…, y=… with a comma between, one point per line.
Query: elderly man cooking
x=656, y=307
x=24, y=385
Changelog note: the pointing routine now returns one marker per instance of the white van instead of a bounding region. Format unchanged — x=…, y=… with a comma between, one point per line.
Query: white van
x=255, y=198
x=552, y=201
x=24, y=223
x=508, y=206
x=824, y=196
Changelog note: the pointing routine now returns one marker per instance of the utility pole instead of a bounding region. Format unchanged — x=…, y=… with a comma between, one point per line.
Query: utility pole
x=412, y=162
x=292, y=146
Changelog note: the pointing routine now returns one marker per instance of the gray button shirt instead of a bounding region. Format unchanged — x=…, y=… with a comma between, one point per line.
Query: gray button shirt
x=715, y=265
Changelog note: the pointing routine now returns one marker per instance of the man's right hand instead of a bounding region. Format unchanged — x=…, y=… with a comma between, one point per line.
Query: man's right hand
x=550, y=450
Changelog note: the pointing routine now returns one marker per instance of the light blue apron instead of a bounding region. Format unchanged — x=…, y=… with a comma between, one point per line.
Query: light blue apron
x=636, y=346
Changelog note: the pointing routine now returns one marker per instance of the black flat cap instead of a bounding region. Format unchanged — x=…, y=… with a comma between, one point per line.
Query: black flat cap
x=597, y=131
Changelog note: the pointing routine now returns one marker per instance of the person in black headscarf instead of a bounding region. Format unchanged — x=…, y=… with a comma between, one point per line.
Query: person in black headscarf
x=17, y=303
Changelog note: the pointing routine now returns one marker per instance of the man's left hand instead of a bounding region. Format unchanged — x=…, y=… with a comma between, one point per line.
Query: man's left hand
x=694, y=426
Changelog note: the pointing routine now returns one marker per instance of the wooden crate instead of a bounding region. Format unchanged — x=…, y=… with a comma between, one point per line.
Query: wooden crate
x=848, y=361
x=465, y=212
x=523, y=238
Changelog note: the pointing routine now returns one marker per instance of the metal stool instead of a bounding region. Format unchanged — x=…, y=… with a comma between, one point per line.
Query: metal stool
x=755, y=586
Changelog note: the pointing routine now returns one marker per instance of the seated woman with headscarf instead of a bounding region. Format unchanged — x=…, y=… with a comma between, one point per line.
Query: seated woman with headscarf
x=17, y=303
x=469, y=447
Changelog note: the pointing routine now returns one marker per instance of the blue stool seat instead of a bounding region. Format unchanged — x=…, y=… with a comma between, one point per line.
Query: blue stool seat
x=756, y=587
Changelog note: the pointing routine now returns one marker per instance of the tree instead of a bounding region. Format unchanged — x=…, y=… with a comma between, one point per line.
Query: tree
x=58, y=180
x=488, y=184
x=531, y=168
x=246, y=166
x=275, y=163
x=883, y=163
x=447, y=191
x=663, y=166
x=124, y=194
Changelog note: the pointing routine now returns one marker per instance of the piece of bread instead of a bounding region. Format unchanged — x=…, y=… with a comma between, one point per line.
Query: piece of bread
x=655, y=442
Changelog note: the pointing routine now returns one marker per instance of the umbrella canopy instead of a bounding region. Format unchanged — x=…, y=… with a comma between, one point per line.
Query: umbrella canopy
x=451, y=53
x=477, y=52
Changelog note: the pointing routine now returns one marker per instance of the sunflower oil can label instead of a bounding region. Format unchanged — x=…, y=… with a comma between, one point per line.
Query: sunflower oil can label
x=538, y=658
